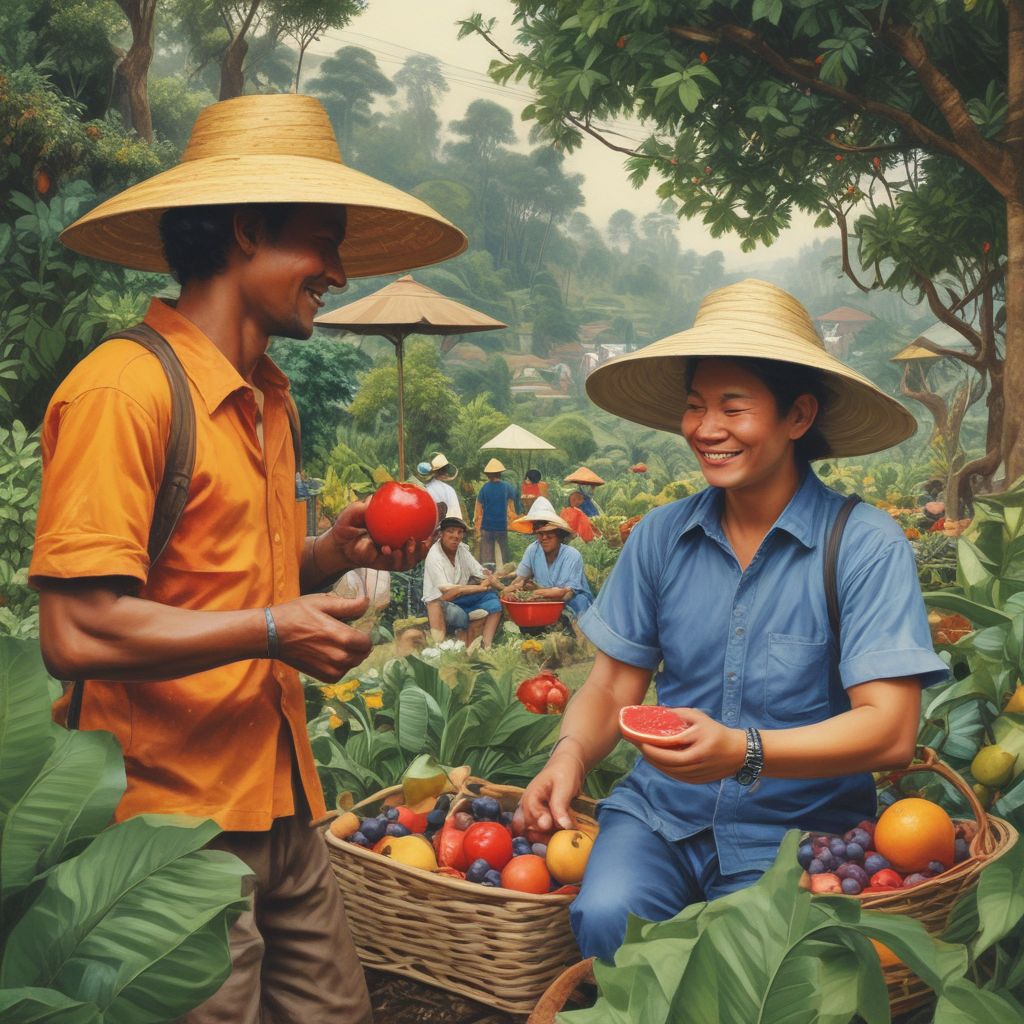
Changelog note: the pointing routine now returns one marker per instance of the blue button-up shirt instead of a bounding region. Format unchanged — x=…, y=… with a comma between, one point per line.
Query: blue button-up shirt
x=565, y=571
x=754, y=647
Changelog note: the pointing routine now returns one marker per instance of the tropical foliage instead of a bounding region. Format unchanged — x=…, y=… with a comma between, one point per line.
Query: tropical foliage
x=119, y=924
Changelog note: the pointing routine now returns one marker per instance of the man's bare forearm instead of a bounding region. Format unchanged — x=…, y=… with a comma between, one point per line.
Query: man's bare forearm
x=96, y=633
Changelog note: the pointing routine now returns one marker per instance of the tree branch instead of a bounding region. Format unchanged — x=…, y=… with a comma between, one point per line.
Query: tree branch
x=844, y=237
x=584, y=126
x=958, y=325
x=753, y=44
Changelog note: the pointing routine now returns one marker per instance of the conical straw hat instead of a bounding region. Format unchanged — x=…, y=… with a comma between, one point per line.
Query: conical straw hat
x=542, y=514
x=269, y=149
x=757, y=320
x=495, y=466
x=583, y=476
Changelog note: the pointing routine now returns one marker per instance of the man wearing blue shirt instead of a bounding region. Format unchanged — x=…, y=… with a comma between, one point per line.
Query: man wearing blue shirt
x=496, y=503
x=720, y=598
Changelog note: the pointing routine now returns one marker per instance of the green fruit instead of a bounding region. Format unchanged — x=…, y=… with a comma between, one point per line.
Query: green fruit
x=984, y=795
x=992, y=766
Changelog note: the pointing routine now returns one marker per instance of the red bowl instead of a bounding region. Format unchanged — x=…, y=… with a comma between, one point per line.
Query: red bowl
x=533, y=613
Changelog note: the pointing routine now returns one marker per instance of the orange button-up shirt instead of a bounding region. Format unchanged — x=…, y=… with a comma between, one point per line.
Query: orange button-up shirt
x=218, y=743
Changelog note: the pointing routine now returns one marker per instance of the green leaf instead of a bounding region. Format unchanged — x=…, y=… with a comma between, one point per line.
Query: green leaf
x=689, y=95
x=44, y=1006
x=413, y=720
x=136, y=923
x=73, y=798
x=26, y=739
x=960, y=1002
x=978, y=614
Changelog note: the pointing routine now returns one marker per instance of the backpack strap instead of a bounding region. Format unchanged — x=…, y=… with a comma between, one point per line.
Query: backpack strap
x=831, y=562
x=178, y=464
x=296, y=427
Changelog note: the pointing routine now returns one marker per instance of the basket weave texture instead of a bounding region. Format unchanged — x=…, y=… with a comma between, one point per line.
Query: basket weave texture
x=492, y=945
x=930, y=902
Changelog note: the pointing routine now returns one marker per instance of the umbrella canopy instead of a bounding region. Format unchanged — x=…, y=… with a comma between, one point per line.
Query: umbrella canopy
x=399, y=309
x=516, y=438
x=407, y=307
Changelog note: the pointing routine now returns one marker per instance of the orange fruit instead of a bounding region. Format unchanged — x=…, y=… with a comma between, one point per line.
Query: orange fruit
x=885, y=954
x=913, y=832
x=567, y=855
x=526, y=873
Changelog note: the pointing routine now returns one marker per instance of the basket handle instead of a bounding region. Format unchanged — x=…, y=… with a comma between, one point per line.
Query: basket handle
x=557, y=994
x=929, y=760
x=474, y=787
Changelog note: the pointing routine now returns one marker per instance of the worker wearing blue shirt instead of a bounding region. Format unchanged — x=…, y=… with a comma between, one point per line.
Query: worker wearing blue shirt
x=720, y=598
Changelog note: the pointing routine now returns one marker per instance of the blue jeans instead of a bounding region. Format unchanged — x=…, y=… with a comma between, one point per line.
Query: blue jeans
x=633, y=870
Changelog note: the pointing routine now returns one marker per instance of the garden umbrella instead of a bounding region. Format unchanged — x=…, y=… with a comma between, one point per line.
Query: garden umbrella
x=399, y=309
x=516, y=438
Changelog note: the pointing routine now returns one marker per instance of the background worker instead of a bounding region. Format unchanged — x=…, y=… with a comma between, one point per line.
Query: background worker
x=497, y=503
x=437, y=476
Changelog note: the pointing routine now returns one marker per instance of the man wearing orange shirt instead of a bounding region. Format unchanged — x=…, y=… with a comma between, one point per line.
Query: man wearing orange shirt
x=193, y=662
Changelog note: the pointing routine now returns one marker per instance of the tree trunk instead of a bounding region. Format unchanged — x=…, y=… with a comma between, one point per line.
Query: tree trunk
x=1013, y=366
x=131, y=86
x=232, y=79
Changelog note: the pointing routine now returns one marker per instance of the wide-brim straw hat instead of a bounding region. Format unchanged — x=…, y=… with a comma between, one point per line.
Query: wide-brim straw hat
x=437, y=467
x=269, y=149
x=757, y=320
x=542, y=516
x=495, y=466
x=584, y=476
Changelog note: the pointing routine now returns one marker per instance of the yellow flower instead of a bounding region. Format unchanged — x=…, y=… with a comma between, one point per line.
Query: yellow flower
x=327, y=692
x=335, y=721
x=374, y=700
x=346, y=691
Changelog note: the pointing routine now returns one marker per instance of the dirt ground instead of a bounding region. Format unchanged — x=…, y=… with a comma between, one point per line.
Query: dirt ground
x=403, y=1001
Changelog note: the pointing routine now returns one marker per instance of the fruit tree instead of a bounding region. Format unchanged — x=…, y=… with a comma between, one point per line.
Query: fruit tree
x=900, y=121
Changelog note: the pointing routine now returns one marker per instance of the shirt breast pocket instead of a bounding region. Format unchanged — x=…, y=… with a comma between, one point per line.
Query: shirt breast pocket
x=796, y=680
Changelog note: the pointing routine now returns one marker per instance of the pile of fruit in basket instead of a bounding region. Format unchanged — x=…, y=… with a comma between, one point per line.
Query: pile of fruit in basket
x=912, y=841
x=477, y=842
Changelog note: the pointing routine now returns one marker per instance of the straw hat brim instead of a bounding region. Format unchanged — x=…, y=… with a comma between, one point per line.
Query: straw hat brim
x=387, y=230
x=648, y=386
x=495, y=466
x=538, y=523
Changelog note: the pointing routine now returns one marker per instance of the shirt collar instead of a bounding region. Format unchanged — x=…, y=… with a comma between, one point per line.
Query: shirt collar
x=205, y=365
x=798, y=518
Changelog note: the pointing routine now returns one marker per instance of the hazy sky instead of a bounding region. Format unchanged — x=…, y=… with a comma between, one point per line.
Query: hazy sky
x=394, y=29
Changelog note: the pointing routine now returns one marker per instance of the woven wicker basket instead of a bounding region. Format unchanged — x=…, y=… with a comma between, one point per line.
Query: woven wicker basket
x=492, y=945
x=930, y=902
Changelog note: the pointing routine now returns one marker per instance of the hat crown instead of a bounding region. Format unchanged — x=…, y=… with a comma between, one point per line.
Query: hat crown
x=281, y=124
x=758, y=304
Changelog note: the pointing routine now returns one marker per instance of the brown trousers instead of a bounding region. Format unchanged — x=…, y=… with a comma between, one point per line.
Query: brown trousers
x=292, y=956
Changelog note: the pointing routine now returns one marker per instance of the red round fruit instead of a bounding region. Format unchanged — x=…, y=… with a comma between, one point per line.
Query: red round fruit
x=489, y=840
x=527, y=873
x=411, y=820
x=400, y=512
x=651, y=723
x=826, y=882
x=887, y=877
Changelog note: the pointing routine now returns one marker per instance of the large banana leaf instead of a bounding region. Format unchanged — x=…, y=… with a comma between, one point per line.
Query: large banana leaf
x=136, y=923
x=25, y=736
x=772, y=954
x=70, y=801
x=44, y=1006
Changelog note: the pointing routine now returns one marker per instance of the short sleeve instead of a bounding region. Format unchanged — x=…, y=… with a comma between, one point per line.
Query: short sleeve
x=884, y=630
x=623, y=621
x=104, y=459
x=431, y=576
x=525, y=567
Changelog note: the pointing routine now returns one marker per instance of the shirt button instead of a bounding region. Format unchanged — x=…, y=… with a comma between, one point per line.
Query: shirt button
x=731, y=676
x=740, y=631
x=277, y=538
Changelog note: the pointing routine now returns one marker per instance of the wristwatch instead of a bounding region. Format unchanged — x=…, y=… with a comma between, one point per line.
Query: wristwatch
x=753, y=763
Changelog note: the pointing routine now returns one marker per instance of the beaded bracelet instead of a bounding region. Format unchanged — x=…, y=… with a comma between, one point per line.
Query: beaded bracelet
x=272, y=638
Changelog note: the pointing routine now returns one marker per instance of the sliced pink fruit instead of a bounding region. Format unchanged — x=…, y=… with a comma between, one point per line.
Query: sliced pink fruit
x=653, y=724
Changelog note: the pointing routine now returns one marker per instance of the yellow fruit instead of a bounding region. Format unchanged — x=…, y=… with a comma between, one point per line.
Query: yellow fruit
x=412, y=850
x=568, y=852
x=913, y=832
x=992, y=766
x=345, y=825
x=1015, y=705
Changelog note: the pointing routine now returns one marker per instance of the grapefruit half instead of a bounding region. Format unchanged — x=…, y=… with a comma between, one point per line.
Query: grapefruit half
x=653, y=724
